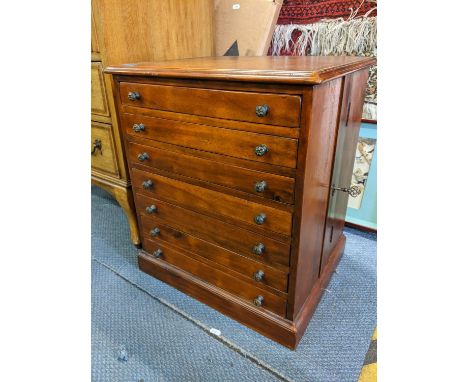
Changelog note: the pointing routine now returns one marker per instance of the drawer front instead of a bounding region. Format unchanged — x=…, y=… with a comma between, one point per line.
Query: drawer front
x=102, y=148
x=270, y=186
x=278, y=109
x=218, y=232
x=213, y=203
x=257, y=272
x=235, y=143
x=99, y=104
x=183, y=260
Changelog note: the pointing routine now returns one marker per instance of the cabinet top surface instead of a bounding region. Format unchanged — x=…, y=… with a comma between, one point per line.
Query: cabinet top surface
x=279, y=69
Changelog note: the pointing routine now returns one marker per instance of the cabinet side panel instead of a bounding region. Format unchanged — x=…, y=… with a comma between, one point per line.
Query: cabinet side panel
x=348, y=133
x=316, y=150
x=154, y=30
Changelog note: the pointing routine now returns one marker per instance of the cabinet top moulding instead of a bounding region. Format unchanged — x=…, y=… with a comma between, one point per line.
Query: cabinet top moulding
x=308, y=70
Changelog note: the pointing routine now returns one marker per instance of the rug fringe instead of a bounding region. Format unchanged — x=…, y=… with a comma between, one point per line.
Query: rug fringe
x=336, y=37
x=356, y=36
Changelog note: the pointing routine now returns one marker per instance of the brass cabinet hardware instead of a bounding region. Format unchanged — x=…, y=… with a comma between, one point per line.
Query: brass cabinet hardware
x=261, y=186
x=143, y=156
x=258, y=301
x=262, y=110
x=260, y=218
x=155, y=232
x=137, y=127
x=147, y=184
x=158, y=253
x=97, y=145
x=261, y=150
x=259, y=275
x=133, y=96
x=151, y=209
x=259, y=249
x=352, y=191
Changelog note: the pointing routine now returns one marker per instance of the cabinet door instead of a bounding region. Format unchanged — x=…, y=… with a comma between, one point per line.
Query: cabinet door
x=99, y=106
x=345, y=151
x=103, y=157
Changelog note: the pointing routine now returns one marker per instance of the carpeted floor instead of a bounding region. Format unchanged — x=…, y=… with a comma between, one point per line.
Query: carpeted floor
x=160, y=334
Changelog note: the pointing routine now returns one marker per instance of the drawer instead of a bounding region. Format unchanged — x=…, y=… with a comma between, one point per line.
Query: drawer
x=183, y=260
x=274, y=253
x=99, y=104
x=257, y=272
x=102, y=148
x=277, y=109
x=270, y=186
x=235, y=143
x=213, y=203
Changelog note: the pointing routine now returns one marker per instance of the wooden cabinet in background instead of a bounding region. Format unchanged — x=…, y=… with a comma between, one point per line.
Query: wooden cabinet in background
x=241, y=169
x=130, y=31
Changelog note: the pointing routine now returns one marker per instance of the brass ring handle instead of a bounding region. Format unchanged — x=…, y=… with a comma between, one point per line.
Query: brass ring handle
x=147, y=184
x=259, y=275
x=142, y=157
x=261, y=150
x=260, y=218
x=151, y=209
x=258, y=301
x=155, y=232
x=259, y=249
x=261, y=186
x=97, y=145
x=133, y=96
x=262, y=110
x=137, y=127
x=158, y=253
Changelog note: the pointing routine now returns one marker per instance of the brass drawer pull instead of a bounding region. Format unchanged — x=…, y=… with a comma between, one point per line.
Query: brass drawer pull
x=143, y=156
x=260, y=219
x=137, y=127
x=259, y=249
x=261, y=186
x=258, y=301
x=155, y=232
x=261, y=150
x=158, y=253
x=133, y=96
x=97, y=145
x=151, y=209
x=259, y=275
x=262, y=110
x=147, y=184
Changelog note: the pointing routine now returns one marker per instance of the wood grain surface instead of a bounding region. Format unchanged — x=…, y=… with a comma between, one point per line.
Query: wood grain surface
x=228, y=142
x=278, y=188
x=279, y=69
x=283, y=110
x=218, y=232
x=212, y=203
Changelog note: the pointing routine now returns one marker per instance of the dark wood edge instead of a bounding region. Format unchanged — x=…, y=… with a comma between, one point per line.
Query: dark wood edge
x=361, y=227
x=372, y=121
x=268, y=324
x=303, y=317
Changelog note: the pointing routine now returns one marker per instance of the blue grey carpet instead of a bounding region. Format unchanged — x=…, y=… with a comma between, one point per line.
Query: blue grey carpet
x=160, y=334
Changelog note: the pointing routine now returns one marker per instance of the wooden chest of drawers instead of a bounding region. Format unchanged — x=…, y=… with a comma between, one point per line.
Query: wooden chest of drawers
x=240, y=168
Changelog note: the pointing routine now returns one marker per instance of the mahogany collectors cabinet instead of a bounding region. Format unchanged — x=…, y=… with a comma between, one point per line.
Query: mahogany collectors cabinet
x=240, y=169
